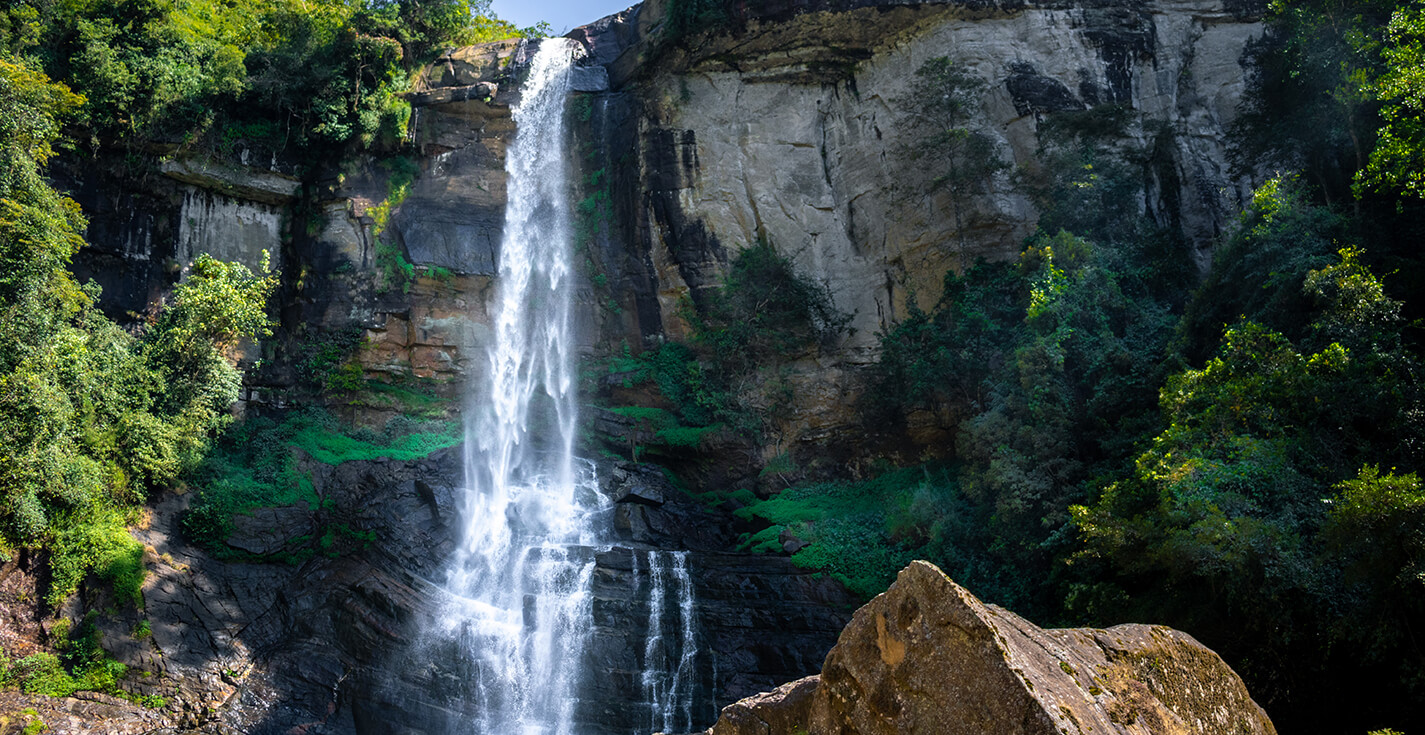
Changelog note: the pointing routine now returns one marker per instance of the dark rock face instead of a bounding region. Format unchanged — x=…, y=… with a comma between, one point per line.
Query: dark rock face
x=1035, y=93
x=334, y=644
x=927, y=657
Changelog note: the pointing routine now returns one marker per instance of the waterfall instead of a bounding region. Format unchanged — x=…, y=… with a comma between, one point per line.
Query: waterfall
x=519, y=585
x=519, y=610
x=670, y=655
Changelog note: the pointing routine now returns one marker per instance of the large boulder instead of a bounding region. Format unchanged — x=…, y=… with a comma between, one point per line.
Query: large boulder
x=927, y=657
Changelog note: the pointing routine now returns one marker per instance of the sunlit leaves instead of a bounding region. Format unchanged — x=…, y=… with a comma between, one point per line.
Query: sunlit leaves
x=1398, y=160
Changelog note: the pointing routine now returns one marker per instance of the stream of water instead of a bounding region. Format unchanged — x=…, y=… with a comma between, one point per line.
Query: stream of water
x=520, y=586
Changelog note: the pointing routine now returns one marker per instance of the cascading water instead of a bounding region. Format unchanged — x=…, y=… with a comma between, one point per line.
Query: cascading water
x=670, y=655
x=519, y=611
x=519, y=585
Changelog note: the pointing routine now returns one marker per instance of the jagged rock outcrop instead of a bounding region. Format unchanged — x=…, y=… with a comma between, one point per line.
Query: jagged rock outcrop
x=927, y=657
x=87, y=713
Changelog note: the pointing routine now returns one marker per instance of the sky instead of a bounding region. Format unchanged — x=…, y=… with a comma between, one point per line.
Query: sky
x=562, y=15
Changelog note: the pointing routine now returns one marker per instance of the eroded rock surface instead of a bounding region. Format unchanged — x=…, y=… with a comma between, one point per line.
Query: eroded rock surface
x=927, y=657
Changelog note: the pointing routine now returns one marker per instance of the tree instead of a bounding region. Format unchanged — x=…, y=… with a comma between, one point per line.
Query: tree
x=942, y=101
x=1398, y=160
x=1218, y=527
x=91, y=417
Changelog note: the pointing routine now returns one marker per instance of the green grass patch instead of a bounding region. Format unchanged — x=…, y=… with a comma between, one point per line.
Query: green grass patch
x=254, y=464
x=334, y=447
x=861, y=533
x=409, y=399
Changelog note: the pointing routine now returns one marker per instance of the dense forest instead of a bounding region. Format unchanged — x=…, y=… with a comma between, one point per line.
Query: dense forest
x=1235, y=452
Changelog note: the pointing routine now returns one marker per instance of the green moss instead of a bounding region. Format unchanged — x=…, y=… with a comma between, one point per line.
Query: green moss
x=35, y=726
x=254, y=464
x=851, y=527
x=763, y=542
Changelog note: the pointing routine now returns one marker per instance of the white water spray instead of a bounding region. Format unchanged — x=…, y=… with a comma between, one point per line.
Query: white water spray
x=520, y=601
x=669, y=656
x=520, y=584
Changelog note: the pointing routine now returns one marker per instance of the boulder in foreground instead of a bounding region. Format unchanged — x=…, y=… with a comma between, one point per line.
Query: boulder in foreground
x=927, y=657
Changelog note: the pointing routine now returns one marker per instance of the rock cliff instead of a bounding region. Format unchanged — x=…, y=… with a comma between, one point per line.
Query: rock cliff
x=927, y=657
x=787, y=124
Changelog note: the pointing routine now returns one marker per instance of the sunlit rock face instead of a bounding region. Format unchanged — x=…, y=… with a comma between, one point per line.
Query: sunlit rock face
x=789, y=126
x=928, y=657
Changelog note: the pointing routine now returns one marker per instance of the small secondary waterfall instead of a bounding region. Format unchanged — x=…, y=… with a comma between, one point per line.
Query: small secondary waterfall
x=670, y=651
x=520, y=602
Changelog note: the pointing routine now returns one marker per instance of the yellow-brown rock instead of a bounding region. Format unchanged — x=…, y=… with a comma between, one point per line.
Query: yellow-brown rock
x=928, y=657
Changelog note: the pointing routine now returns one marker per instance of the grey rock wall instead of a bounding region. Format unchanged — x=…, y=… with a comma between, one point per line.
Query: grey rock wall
x=790, y=127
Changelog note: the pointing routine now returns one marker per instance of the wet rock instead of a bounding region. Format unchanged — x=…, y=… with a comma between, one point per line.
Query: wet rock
x=589, y=79
x=269, y=530
x=1036, y=94
x=789, y=541
x=644, y=485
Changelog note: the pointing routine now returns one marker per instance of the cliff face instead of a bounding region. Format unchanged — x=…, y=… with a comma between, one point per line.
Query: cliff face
x=788, y=125
x=794, y=130
x=793, y=126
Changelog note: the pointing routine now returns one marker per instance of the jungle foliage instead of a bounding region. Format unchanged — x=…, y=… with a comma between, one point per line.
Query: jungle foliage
x=1239, y=455
x=290, y=74
x=94, y=417
x=724, y=375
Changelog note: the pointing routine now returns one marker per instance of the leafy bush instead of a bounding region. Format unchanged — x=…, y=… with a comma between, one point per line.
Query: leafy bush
x=99, y=543
x=765, y=310
x=93, y=417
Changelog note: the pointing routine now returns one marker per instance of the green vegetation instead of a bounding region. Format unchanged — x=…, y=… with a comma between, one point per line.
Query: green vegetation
x=850, y=527
x=291, y=74
x=942, y=101
x=81, y=666
x=390, y=256
x=1398, y=160
x=764, y=310
x=724, y=377
x=92, y=418
x=255, y=464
